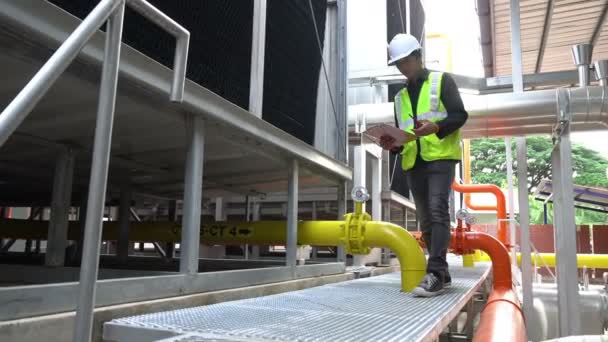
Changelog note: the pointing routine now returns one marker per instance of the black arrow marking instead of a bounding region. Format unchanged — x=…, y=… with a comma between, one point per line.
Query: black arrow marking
x=244, y=231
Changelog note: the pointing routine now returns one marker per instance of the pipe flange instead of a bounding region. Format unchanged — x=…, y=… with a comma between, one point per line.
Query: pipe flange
x=458, y=242
x=354, y=233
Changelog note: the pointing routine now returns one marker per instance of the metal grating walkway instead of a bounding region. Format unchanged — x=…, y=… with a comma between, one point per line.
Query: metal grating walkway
x=368, y=309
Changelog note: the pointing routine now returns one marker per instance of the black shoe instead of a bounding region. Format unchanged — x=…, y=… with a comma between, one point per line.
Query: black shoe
x=447, y=281
x=430, y=286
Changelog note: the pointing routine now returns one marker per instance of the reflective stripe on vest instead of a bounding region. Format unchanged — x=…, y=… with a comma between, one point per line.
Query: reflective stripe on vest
x=435, y=76
x=432, y=109
x=398, y=105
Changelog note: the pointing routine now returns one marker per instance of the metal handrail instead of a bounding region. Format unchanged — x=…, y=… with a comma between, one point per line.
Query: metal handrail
x=21, y=106
x=182, y=37
x=112, y=12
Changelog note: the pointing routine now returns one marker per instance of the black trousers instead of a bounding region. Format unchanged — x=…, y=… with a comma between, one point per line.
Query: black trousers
x=431, y=185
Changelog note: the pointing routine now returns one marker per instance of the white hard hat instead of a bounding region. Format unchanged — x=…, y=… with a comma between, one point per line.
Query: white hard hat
x=401, y=46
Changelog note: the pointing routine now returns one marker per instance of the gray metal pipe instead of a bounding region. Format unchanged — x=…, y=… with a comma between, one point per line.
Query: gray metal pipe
x=581, y=53
x=593, y=313
x=511, y=114
x=601, y=71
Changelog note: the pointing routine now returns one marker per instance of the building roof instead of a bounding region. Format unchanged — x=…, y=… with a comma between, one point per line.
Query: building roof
x=585, y=197
x=548, y=30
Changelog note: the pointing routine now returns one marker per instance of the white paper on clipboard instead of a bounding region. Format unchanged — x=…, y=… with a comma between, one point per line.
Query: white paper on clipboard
x=401, y=137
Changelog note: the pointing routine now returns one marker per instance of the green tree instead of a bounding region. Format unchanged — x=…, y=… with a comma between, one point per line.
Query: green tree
x=488, y=166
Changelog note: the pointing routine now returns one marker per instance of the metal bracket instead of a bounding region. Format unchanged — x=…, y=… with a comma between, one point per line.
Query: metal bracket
x=564, y=114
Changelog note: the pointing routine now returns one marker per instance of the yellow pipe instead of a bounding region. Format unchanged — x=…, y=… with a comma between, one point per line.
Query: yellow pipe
x=357, y=233
x=468, y=260
x=408, y=251
x=477, y=255
x=582, y=260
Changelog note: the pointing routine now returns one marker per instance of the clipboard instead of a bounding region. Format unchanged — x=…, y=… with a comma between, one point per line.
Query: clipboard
x=401, y=137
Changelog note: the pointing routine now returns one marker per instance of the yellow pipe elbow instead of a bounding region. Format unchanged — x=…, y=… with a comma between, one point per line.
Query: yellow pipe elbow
x=468, y=260
x=408, y=251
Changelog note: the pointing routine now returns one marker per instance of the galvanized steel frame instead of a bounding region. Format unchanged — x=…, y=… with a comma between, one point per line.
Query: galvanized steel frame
x=565, y=224
x=37, y=300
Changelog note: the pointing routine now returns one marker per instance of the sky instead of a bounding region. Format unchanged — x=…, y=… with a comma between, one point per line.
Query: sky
x=466, y=51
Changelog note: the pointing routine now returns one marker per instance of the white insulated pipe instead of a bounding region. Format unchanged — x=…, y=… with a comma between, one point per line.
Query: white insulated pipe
x=510, y=114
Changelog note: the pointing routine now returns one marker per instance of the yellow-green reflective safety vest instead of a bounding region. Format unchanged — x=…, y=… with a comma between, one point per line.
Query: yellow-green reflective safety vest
x=432, y=109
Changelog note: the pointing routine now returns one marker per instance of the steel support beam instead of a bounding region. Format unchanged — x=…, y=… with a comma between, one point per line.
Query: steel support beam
x=258, y=41
x=193, y=193
x=376, y=193
x=565, y=225
x=220, y=209
x=172, y=216
x=313, y=217
x=340, y=251
x=342, y=79
x=255, y=216
x=516, y=59
x=524, y=226
x=57, y=240
x=292, y=214
x=99, y=176
x=511, y=199
x=360, y=168
x=386, y=217
x=124, y=216
x=248, y=219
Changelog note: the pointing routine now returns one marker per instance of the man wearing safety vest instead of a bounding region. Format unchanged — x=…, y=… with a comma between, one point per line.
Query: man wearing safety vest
x=431, y=108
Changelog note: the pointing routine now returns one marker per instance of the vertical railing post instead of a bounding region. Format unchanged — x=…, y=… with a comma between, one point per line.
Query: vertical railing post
x=193, y=192
x=341, y=198
x=124, y=217
x=292, y=214
x=565, y=223
x=524, y=224
x=57, y=239
x=99, y=175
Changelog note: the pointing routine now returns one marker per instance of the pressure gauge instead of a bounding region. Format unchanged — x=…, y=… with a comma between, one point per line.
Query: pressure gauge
x=471, y=220
x=359, y=194
x=462, y=214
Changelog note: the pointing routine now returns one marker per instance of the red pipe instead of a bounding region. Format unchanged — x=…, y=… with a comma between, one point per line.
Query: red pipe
x=502, y=318
x=501, y=205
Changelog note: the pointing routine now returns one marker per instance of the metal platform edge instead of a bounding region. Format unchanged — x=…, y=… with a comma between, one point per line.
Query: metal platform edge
x=117, y=331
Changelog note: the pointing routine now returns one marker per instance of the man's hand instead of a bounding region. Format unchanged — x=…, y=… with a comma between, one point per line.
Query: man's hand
x=425, y=127
x=386, y=141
